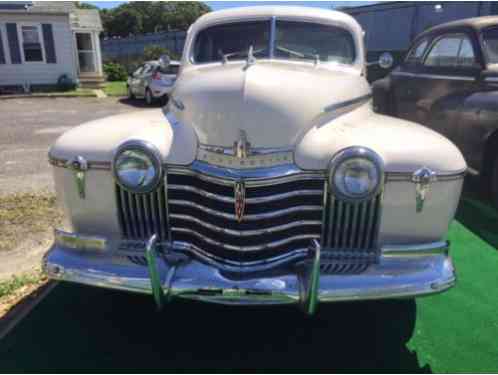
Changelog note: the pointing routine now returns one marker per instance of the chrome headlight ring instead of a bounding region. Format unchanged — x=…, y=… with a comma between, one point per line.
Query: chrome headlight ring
x=137, y=166
x=356, y=174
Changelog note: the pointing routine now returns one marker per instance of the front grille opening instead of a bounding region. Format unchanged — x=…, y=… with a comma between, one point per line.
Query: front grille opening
x=279, y=217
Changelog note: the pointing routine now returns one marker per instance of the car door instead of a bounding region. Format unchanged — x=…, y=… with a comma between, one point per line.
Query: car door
x=449, y=74
x=145, y=77
x=134, y=81
x=405, y=82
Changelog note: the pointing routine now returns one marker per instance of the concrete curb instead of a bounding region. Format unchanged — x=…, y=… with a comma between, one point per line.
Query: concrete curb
x=28, y=96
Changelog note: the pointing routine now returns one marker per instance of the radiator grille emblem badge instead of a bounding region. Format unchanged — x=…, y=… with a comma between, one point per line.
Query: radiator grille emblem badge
x=242, y=148
x=240, y=200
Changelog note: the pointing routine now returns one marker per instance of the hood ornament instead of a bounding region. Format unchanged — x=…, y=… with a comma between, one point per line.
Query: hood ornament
x=242, y=148
x=239, y=190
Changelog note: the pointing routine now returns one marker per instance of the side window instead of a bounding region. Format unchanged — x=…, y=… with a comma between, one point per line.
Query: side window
x=147, y=69
x=466, y=56
x=31, y=44
x=444, y=52
x=417, y=52
x=454, y=51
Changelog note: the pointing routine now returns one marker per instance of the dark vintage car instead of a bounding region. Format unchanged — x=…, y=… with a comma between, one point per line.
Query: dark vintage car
x=449, y=82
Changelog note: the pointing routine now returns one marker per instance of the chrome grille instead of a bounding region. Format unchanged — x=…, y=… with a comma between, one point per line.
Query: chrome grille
x=142, y=215
x=350, y=227
x=281, y=215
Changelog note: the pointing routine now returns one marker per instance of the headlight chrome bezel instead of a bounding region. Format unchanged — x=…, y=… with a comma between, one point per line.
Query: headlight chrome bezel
x=154, y=156
x=355, y=152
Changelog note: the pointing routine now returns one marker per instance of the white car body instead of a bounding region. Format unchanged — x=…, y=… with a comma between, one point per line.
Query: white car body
x=265, y=135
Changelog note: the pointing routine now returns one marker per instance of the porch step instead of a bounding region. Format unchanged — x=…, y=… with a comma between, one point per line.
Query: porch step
x=92, y=82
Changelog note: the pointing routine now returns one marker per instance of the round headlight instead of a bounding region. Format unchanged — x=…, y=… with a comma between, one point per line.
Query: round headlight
x=137, y=167
x=356, y=173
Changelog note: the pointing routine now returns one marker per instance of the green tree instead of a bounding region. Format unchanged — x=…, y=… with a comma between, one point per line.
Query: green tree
x=82, y=5
x=148, y=17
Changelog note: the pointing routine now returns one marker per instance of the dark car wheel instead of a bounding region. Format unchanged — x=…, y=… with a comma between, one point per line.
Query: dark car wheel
x=494, y=182
x=164, y=100
x=149, y=99
x=130, y=93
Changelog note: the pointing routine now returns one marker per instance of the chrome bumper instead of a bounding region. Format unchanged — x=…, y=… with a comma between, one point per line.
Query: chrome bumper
x=406, y=271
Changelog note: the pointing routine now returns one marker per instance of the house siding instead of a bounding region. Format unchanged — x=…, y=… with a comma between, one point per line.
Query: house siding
x=39, y=73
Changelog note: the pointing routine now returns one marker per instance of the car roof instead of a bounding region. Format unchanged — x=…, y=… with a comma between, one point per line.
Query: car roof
x=475, y=23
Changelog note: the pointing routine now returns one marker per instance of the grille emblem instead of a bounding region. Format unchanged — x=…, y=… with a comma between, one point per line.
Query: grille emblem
x=240, y=199
x=242, y=148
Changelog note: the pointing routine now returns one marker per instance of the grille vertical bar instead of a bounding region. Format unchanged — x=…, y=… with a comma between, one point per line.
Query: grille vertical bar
x=352, y=226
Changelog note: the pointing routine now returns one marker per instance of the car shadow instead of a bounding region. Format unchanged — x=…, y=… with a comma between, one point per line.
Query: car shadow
x=138, y=103
x=477, y=213
x=86, y=329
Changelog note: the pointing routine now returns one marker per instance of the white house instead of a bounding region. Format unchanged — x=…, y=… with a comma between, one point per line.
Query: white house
x=40, y=41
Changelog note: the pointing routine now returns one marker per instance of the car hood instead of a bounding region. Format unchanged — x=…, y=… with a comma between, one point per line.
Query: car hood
x=275, y=103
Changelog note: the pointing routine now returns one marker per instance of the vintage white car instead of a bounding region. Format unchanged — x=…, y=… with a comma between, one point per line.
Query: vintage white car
x=267, y=179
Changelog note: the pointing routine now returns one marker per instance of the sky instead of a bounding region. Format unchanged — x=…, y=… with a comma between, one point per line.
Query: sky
x=217, y=5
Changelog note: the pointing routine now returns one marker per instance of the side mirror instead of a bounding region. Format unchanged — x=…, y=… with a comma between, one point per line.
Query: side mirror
x=386, y=60
x=164, y=61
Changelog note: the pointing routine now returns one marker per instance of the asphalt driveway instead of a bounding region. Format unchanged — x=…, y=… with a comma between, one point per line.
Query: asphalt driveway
x=28, y=127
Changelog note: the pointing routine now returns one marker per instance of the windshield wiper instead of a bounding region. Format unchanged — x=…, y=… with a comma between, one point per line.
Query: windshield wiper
x=249, y=53
x=302, y=55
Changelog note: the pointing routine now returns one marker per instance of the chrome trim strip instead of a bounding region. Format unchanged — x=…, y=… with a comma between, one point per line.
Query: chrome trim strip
x=441, y=176
x=273, y=36
x=252, y=177
x=62, y=163
x=245, y=233
x=253, y=217
x=228, y=150
x=347, y=103
x=222, y=198
x=434, y=248
x=269, y=245
x=434, y=76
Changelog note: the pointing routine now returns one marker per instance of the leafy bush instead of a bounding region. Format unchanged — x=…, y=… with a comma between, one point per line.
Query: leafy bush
x=154, y=52
x=115, y=72
x=66, y=83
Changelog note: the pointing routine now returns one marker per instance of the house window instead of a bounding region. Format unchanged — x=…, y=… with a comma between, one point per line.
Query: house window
x=31, y=44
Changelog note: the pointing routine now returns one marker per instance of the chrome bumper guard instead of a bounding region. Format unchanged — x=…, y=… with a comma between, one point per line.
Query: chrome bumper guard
x=401, y=271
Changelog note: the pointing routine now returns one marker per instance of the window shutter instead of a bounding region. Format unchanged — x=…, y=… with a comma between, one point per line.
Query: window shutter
x=15, y=51
x=48, y=40
x=2, y=54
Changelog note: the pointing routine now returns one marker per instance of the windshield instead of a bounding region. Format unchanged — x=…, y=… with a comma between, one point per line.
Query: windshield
x=304, y=40
x=294, y=40
x=491, y=45
x=232, y=41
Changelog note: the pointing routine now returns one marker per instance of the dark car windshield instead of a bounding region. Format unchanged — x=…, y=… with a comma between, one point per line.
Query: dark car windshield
x=232, y=41
x=294, y=40
x=304, y=40
x=491, y=45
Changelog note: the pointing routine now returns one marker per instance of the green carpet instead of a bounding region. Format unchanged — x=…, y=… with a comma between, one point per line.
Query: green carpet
x=458, y=331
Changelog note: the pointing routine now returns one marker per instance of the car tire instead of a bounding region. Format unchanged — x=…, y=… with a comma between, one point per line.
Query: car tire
x=164, y=100
x=149, y=99
x=131, y=96
x=494, y=181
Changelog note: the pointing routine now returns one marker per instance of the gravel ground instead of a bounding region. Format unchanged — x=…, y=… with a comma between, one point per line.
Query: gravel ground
x=29, y=126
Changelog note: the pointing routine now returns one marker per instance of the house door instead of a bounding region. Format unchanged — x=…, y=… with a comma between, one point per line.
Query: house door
x=86, y=53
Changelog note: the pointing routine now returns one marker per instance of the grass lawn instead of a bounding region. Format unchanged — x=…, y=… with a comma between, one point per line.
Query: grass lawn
x=458, y=331
x=117, y=88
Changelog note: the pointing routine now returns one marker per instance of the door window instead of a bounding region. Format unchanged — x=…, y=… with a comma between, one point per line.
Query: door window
x=417, y=52
x=453, y=51
x=86, y=54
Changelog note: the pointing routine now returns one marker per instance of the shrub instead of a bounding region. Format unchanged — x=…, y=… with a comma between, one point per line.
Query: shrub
x=66, y=83
x=115, y=72
x=154, y=52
